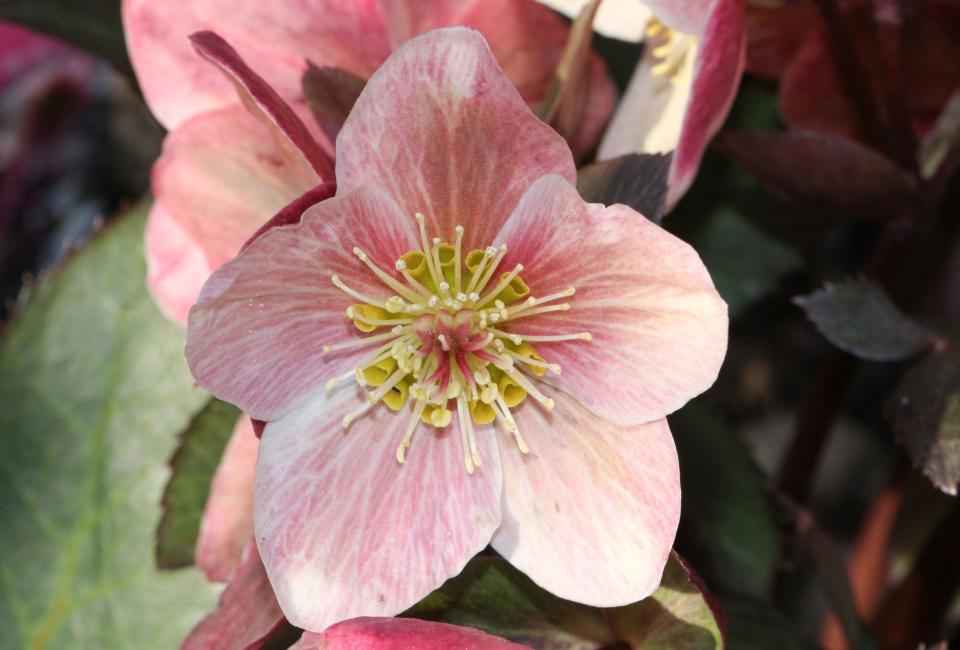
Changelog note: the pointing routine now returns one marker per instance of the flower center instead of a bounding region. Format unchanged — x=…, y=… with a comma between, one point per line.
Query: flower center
x=445, y=341
x=670, y=49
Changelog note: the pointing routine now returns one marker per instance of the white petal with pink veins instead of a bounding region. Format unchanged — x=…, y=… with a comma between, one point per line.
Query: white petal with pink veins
x=590, y=513
x=345, y=530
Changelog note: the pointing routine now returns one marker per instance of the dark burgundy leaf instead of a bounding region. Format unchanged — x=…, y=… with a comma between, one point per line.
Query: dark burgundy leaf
x=823, y=171
x=330, y=93
x=637, y=180
x=858, y=317
x=259, y=96
x=924, y=412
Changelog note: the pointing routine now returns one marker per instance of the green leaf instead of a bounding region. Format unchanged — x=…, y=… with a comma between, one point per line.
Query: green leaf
x=493, y=596
x=744, y=262
x=858, y=317
x=637, y=180
x=93, y=25
x=94, y=388
x=924, y=412
x=729, y=529
x=193, y=464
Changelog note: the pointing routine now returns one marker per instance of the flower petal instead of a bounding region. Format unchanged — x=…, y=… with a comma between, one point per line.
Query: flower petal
x=442, y=130
x=400, y=634
x=227, y=524
x=176, y=265
x=721, y=56
x=255, y=338
x=264, y=102
x=280, y=36
x=683, y=110
x=345, y=530
x=247, y=614
x=590, y=513
x=221, y=176
x=659, y=327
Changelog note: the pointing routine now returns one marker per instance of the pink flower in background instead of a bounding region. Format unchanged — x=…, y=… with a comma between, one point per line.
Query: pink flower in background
x=405, y=341
x=683, y=86
x=401, y=634
x=222, y=175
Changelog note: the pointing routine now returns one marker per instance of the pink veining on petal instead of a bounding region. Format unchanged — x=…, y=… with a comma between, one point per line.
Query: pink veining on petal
x=443, y=132
x=721, y=56
x=227, y=524
x=247, y=614
x=263, y=101
x=345, y=530
x=658, y=326
x=400, y=634
x=176, y=265
x=257, y=334
x=590, y=513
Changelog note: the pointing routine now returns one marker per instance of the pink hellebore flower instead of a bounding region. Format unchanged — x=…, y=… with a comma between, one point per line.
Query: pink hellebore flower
x=404, y=344
x=401, y=634
x=221, y=174
x=683, y=86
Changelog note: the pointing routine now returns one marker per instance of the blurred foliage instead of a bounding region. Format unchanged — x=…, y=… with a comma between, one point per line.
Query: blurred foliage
x=728, y=530
x=924, y=412
x=858, y=317
x=94, y=388
x=197, y=457
x=493, y=596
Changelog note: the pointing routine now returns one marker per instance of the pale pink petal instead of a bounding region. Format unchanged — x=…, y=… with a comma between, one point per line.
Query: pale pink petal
x=280, y=36
x=264, y=103
x=400, y=634
x=659, y=327
x=221, y=176
x=680, y=112
x=227, y=524
x=721, y=55
x=176, y=265
x=345, y=530
x=591, y=511
x=445, y=133
x=247, y=614
x=256, y=336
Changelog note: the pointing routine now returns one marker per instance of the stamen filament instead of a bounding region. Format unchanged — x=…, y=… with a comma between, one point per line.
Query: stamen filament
x=488, y=273
x=519, y=338
x=411, y=428
x=552, y=367
x=387, y=279
x=457, y=271
x=528, y=386
x=435, y=274
x=503, y=284
x=366, y=340
x=537, y=310
x=338, y=283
